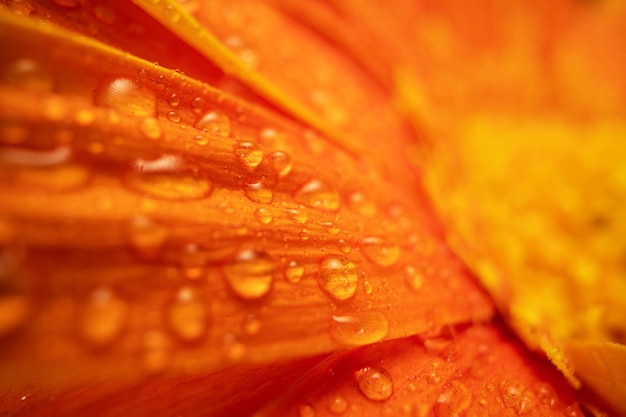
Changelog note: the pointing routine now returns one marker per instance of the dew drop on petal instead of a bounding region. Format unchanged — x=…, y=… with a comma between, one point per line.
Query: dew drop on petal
x=200, y=140
x=454, y=400
x=14, y=311
x=103, y=318
x=280, y=162
x=516, y=396
x=147, y=237
x=413, y=277
x=546, y=395
x=319, y=195
x=359, y=329
x=192, y=261
x=215, y=123
x=169, y=177
x=297, y=215
x=258, y=192
x=263, y=215
x=157, y=351
x=251, y=325
x=173, y=117
x=125, y=95
x=306, y=410
x=338, y=277
x=375, y=383
x=27, y=74
x=197, y=104
x=249, y=273
x=380, y=251
x=188, y=316
x=360, y=204
x=248, y=153
x=344, y=246
x=173, y=100
x=338, y=404
x=294, y=272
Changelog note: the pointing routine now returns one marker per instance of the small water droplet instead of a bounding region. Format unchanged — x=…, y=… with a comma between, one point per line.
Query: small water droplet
x=306, y=410
x=29, y=75
x=103, y=318
x=249, y=273
x=296, y=215
x=147, y=237
x=413, y=278
x=14, y=311
x=156, y=356
x=304, y=235
x=338, y=277
x=248, y=153
x=258, y=192
x=233, y=348
x=251, y=325
x=169, y=177
x=173, y=117
x=516, y=396
x=173, y=100
x=84, y=117
x=263, y=215
x=573, y=410
x=280, y=162
x=188, y=316
x=215, y=123
x=375, y=383
x=125, y=95
x=170, y=13
x=546, y=395
x=338, y=404
x=192, y=261
x=360, y=204
x=367, y=287
x=54, y=108
x=200, y=140
x=197, y=104
x=454, y=400
x=294, y=272
x=380, y=251
x=319, y=195
x=150, y=128
x=344, y=246
x=359, y=329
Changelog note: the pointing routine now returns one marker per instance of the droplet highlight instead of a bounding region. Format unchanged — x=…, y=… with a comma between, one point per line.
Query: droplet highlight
x=375, y=383
x=359, y=329
x=249, y=153
x=214, y=123
x=126, y=96
x=338, y=277
x=249, y=273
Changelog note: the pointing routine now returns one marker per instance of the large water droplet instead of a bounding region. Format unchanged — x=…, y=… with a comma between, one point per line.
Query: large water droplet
x=338, y=277
x=147, y=237
x=375, y=383
x=546, y=395
x=306, y=410
x=319, y=195
x=294, y=272
x=359, y=329
x=103, y=318
x=14, y=311
x=188, y=316
x=338, y=404
x=29, y=75
x=125, y=95
x=380, y=251
x=248, y=153
x=259, y=192
x=249, y=273
x=215, y=123
x=516, y=396
x=279, y=162
x=169, y=177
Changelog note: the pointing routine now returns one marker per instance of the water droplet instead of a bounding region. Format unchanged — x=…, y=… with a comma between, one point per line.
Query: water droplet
x=296, y=215
x=263, y=215
x=294, y=272
x=188, y=316
x=215, y=123
x=173, y=100
x=13, y=134
x=338, y=404
x=344, y=246
x=413, y=278
x=380, y=251
x=27, y=74
x=14, y=311
x=125, y=95
x=359, y=329
x=319, y=195
x=248, y=56
x=157, y=354
x=304, y=235
x=306, y=410
x=197, y=104
x=249, y=273
x=169, y=177
x=249, y=153
x=173, y=117
x=84, y=117
x=54, y=108
x=150, y=128
x=454, y=400
x=103, y=318
x=516, y=396
x=360, y=204
x=258, y=192
x=233, y=349
x=573, y=411
x=171, y=14
x=200, y=140
x=374, y=383
x=367, y=287
x=192, y=261
x=251, y=325
x=279, y=162
x=147, y=237
x=546, y=395
x=338, y=277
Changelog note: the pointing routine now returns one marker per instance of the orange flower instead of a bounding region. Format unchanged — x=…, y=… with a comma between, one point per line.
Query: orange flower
x=245, y=227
